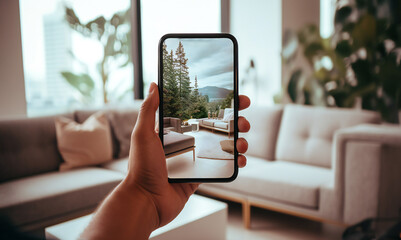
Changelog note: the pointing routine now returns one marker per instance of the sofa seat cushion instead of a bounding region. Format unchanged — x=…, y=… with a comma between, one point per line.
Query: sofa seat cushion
x=209, y=122
x=222, y=125
x=120, y=165
x=281, y=181
x=51, y=195
x=174, y=142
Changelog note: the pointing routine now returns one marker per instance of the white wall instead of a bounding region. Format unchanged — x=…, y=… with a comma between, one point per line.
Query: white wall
x=257, y=26
x=12, y=89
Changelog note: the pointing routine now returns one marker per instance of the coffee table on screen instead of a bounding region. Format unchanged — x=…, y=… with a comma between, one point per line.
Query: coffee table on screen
x=202, y=218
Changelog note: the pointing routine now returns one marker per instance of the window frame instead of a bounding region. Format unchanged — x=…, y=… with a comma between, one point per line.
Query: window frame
x=136, y=34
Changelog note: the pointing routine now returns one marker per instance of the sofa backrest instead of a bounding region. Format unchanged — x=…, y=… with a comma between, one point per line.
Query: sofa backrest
x=28, y=147
x=265, y=124
x=306, y=133
x=122, y=122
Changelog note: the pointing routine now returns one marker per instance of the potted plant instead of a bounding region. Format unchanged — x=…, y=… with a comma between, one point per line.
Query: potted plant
x=361, y=61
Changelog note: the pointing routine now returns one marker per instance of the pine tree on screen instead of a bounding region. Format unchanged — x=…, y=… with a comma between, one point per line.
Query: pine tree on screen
x=170, y=86
x=184, y=84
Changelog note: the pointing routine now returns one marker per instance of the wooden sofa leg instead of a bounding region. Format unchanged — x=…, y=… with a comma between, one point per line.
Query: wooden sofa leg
x=246, y=214
x=193, y=151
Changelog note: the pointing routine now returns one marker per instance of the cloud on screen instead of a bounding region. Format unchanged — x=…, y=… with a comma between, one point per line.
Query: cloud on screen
x=211, y=60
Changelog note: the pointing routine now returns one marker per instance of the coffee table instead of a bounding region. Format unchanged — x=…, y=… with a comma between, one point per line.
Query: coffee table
x=202, y=218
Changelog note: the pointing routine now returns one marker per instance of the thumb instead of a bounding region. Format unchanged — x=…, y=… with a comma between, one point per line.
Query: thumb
x=147, y=114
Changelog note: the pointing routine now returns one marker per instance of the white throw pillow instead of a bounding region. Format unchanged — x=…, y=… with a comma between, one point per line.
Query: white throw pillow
x=228, y=114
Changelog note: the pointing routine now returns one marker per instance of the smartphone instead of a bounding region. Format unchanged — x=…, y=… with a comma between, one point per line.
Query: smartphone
x=198, y=111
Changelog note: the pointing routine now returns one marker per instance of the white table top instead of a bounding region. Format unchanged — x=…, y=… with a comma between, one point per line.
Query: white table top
x=196, y=208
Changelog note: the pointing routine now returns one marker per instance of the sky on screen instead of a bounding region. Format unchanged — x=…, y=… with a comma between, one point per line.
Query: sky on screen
x=211, y=60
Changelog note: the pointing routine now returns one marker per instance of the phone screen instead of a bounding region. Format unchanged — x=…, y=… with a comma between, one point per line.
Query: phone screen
x=199, y=106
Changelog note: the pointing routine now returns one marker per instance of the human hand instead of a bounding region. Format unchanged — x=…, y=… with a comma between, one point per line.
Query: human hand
x=147, y=162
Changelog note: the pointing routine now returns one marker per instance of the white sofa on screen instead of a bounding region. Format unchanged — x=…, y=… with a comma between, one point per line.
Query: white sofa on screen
x=331, y=165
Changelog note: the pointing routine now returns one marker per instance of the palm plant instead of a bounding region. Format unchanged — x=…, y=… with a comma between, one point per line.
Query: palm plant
x=115, y=37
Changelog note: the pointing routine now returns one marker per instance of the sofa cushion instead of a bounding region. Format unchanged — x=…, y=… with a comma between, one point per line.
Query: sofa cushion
x=174, y=142
x=262, y=137
x=306, y=132
x=84, y=144
x=82, y=115
x=281, y=181
x=222, y=125
x=28, y=147
x=120, y=165
x=50, y=195
x=123, y=122
x=228, y=114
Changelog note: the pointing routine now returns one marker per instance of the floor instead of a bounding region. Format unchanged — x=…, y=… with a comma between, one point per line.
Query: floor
x=183, y=166
x=271, y=225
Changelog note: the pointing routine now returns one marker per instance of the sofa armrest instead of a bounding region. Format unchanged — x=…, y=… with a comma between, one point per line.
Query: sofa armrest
x=176, y=123
x=367, y=163
x=231, y=126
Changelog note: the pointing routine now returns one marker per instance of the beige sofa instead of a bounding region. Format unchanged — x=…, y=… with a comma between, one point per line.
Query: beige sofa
x=33, y=193
x=217, y=124
x=331, y=165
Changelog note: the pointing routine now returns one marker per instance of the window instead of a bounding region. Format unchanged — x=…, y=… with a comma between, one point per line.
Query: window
x=68, y=65
x=159, y=17
x=327, y=10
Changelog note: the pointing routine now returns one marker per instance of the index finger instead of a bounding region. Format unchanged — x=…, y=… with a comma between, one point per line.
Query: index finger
x=244, y=102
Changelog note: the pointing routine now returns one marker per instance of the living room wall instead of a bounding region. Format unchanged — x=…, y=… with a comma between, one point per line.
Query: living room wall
x=12, y=88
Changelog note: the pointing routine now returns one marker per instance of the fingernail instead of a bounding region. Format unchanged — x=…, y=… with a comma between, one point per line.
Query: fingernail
x=152, y=88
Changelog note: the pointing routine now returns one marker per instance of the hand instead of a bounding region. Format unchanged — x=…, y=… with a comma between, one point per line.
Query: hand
x=147, y=161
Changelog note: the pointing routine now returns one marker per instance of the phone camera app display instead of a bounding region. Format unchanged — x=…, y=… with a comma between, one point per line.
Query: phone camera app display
x=198, y=107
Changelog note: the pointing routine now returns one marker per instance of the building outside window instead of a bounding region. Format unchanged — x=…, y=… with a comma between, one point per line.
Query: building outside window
x=63, y=66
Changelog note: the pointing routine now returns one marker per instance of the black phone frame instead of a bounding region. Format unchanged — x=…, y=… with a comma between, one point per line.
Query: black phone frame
x=236, y=100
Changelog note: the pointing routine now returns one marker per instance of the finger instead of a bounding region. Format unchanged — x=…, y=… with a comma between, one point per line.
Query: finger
x=244, y=102
x=194, y=186
x=147, y=114
x=241, y=161
x=242, y=145
x=243, y=124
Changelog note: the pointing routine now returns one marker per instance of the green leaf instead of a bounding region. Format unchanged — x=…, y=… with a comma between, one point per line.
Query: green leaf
x=71, y=17
x=362, y=71
x=97, y=26
x=360, y=3
x=292, y=88
x=364, y=33
x=348, y=27
x=390, y=76
x=312, y=50
x=116, y=20
x=82, y=82
x=342, y=14
x=343, y=97
x=343, y=48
